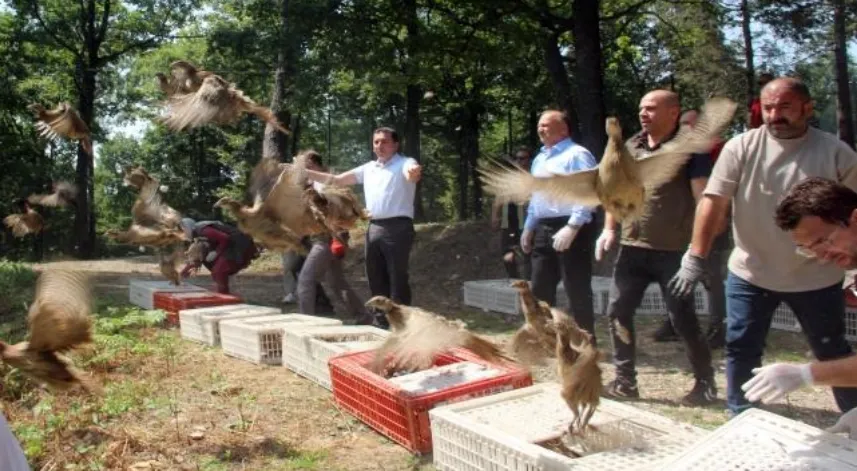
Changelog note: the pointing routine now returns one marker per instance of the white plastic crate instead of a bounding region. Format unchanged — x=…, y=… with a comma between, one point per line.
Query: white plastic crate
x=784, y=319
x=758, y=440
x=202, y=324
x=306, y=351
x=260, y=339
x=142, y=292
x=500, y=296
x=501, y=432
x=444, y=377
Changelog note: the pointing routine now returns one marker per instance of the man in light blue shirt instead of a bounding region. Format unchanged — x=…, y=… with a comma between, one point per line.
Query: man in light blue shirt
x=389, y=183
x=560, y=236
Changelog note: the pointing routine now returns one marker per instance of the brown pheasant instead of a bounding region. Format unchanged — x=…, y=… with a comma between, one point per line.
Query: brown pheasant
x=534, y=341
x=27, y=222
x=621, y=183
x=284, y=209
x=418, y=336
x=141, y=235
x=64, y=194
x=578, y=370
x=184, y=78
x=149, y=209
x=59, y=320
x=63, y=121
x=169, y=261
x=216, y=101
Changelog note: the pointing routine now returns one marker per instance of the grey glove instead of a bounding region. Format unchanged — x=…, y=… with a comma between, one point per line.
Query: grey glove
x=691, y=271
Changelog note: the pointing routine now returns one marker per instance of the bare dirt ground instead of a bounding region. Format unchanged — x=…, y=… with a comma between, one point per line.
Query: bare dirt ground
x=253, y=417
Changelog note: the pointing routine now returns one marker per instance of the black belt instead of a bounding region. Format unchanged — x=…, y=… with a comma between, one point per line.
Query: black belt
x=557, y=221
x=393, y=219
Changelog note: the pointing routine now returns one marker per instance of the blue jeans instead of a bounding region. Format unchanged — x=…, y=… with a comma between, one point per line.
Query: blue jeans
x=821, y=314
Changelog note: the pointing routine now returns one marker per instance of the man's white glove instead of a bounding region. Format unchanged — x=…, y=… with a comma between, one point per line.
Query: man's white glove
x=772, y=382
x=211, y=256
x=846, y=424
x=688, y=275
x=563, y=238
x=604, y=243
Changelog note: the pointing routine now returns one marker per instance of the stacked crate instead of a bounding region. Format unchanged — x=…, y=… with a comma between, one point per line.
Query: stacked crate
x=307, y=351
x=203, y=324
x=399, y=407
x=260, y=339
x=525, y=429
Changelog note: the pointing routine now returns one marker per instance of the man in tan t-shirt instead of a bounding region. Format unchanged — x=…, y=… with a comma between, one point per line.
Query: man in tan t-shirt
x=650, y=252
x=753, y=171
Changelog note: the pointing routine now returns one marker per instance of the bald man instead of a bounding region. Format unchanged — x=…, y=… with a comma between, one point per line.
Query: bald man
x=650, y=252
x=754, y=171
x=558, y=236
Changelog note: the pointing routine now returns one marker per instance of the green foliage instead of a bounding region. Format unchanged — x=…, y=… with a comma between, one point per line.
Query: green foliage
x=17, y=284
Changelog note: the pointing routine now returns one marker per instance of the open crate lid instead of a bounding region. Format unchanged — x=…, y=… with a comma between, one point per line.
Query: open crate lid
x=444, y=377
x=757, y=440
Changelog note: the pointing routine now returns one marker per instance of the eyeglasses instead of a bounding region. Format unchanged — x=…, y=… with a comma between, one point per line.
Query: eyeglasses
x=811, y=251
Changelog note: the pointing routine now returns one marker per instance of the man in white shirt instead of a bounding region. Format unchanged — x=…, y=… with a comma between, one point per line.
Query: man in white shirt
x=389, y=184
x=559, y=237
x=754, y=170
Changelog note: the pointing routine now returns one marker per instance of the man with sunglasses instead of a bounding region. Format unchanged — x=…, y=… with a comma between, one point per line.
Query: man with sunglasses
x=754, y=170
x=820, y=215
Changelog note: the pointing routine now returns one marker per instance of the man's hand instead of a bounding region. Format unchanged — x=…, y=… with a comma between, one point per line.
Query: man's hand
x=846, y=423
x=563, y=238
x=692, y=270
x=772, y=382
x=604, y=243
x=413, y=173
x=527, y=241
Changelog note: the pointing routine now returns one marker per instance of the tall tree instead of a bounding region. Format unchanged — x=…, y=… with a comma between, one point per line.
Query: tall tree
x=274, y=144
x=843, y=89
x=96, y=34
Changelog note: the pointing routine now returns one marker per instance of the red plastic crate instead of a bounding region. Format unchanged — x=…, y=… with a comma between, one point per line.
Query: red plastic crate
x=175, y=302
x=401, y=415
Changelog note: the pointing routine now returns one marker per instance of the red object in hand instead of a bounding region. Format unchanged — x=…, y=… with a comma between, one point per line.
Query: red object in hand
x=851, y=295
x=337, y=248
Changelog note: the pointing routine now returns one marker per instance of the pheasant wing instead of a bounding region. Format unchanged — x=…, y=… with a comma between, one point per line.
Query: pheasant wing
x=518, y=185
x=59, y=318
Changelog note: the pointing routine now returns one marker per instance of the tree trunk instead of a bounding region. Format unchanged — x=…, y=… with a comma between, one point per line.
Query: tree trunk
x=274, y=143
x=748, y=52
x=412, y=138
x=413, y=97
x=84, y=222
x=296, y=135
x=533, y=131
x=843, y=90
x=462, y=176
x=590, y=78
x=470, y=148
x=562, y=85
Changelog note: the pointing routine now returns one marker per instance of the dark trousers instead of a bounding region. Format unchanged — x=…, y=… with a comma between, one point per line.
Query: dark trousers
x=223, y=268
x=516, y=262
x=821, y=314
x=635, y=269
x=573, y=267
x=388, y=249
x=322, y=266
x=716, y=288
